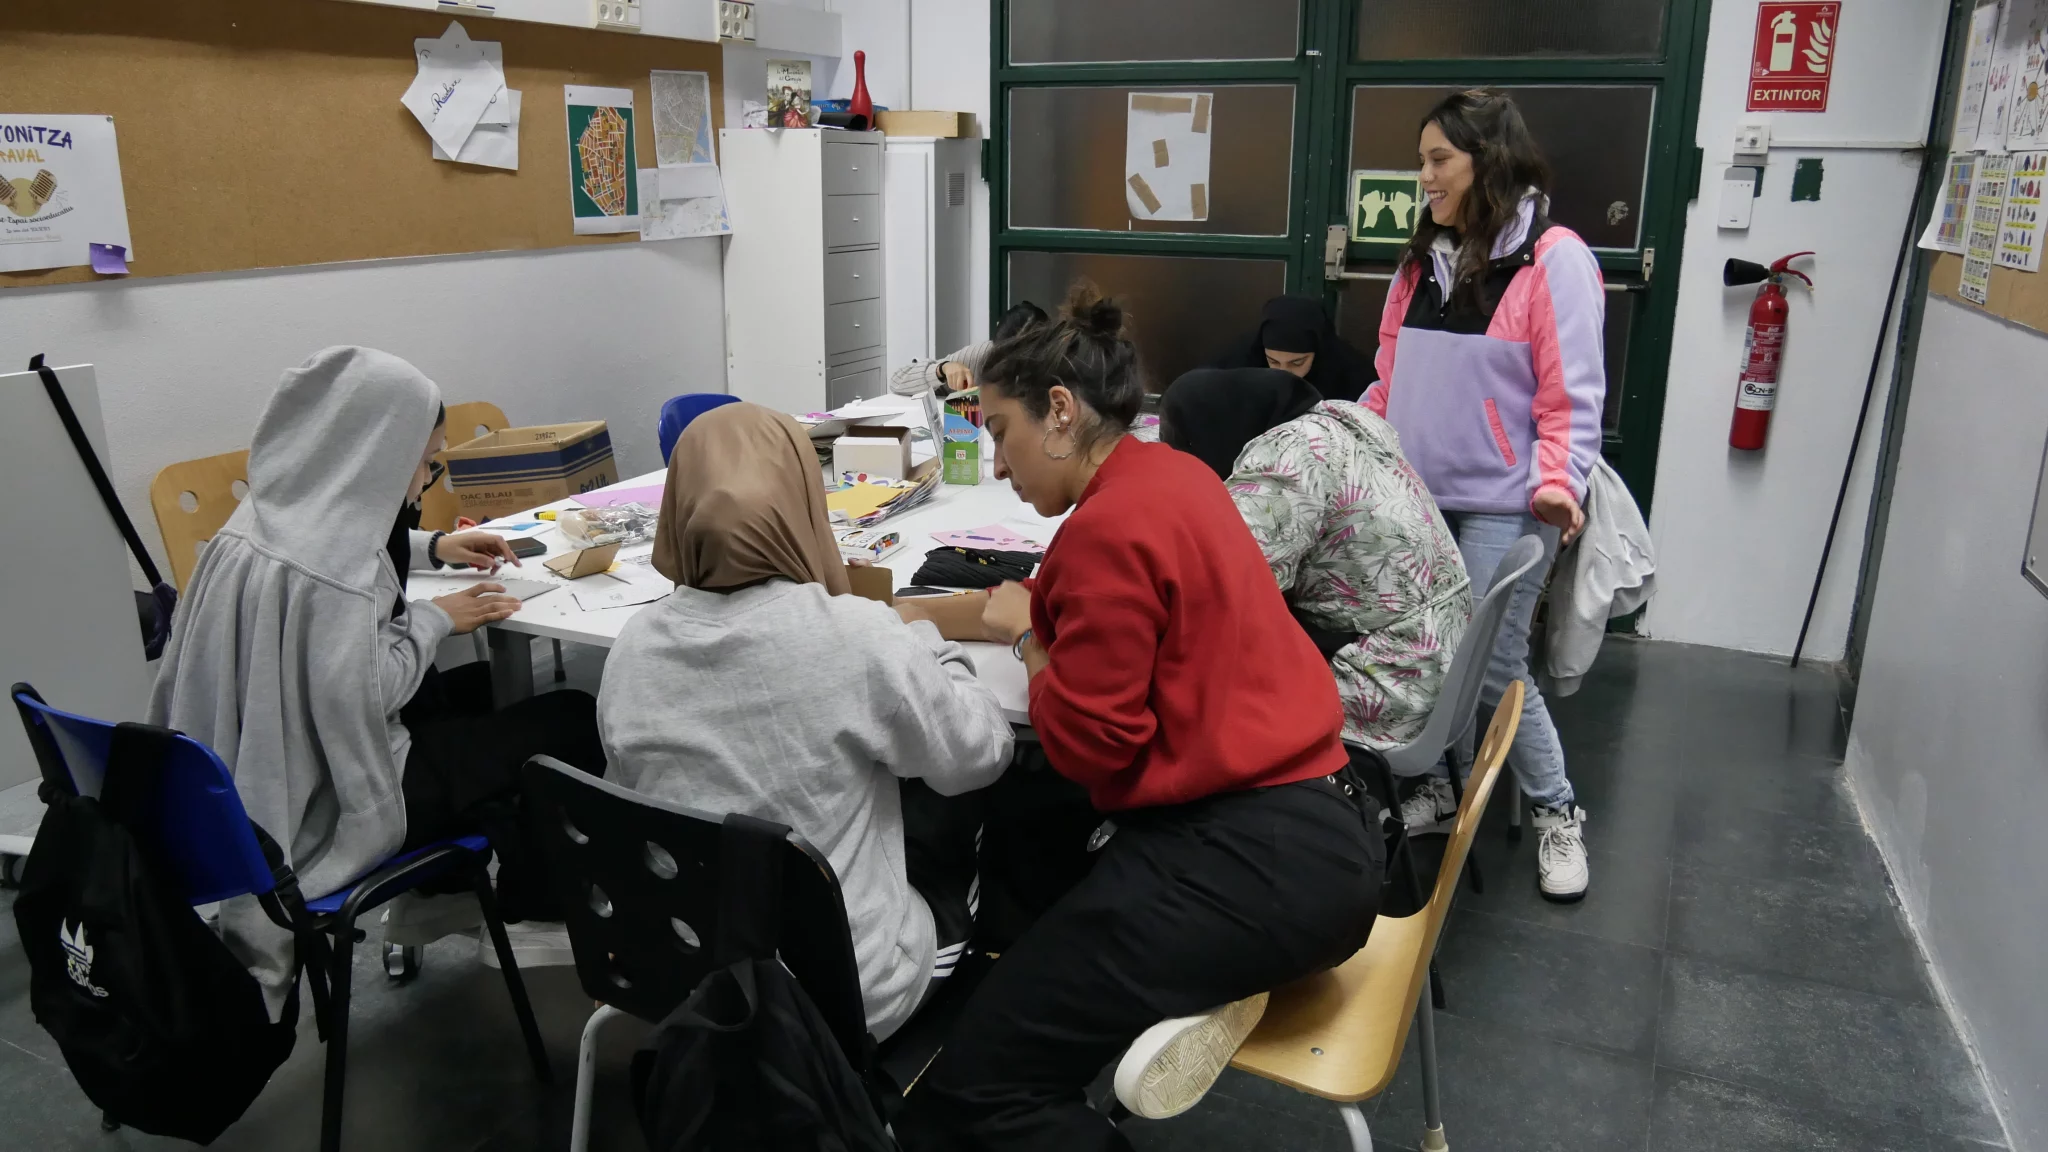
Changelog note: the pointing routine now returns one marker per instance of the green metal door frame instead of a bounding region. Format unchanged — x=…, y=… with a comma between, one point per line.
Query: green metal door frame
x=1323, y=74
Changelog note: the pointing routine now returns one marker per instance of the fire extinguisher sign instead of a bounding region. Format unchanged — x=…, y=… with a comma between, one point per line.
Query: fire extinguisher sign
x=1794, y=56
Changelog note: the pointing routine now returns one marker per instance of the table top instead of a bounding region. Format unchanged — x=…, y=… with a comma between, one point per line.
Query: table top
x=556, y=615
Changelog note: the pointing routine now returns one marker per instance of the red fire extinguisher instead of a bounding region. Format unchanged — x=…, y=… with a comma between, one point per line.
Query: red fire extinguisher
x=1763, y=344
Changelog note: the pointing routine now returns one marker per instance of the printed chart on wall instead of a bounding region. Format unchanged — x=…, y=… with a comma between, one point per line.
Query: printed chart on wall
x=1987, y=213
x=60, y=194
x=604, y=194
x=2019, y=236
x=2026, y=126
x=1951, y=217
x=1976, y=71
x=1384, y=203
x=1166, y=155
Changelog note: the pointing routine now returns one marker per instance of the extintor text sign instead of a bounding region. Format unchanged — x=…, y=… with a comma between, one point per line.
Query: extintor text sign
x=1794, y=56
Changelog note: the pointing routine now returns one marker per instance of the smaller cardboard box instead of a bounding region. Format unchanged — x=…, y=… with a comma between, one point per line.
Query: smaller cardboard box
x=577, y=563
x=872, y=581
x=515, y=469
x=914, y=123
x=878, y=450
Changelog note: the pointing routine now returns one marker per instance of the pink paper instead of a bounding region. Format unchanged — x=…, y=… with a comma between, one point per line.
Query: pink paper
x=994, y=537
x=648, y=494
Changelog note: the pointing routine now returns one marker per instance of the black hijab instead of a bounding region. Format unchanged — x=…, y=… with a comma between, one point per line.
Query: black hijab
x=1299, y=324
x=1212, y=413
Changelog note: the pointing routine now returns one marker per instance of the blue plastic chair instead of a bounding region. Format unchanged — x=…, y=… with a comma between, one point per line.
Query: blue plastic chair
x=206, y=836
x=679, y=411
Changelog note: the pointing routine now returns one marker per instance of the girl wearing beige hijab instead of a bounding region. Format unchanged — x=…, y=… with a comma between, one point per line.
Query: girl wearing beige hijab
x=762, y=686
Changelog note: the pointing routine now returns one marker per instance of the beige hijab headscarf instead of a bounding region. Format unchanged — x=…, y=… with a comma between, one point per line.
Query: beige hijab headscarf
x=745, y=503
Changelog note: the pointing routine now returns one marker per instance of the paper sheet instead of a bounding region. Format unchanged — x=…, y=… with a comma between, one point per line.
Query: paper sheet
x=1945, y=226
x=2006, y=62
x=2019, y=233
x=675, y=219
x=1980, y=246
x=648, y=494
x=456, y=81
x=493, y=143
x=604, y=193
x=60, y=192
x=682, y=117
x=1166, y=155
x=992, y=536
x=1976, y=70
x=627, y=584
x=2026, y=127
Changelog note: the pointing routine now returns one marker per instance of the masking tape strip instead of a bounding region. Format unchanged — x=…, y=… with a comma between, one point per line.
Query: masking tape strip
x=1198, y=196
x=1144, y=192
x=1152, y=102
x=1202, y=113
x=1159, y=154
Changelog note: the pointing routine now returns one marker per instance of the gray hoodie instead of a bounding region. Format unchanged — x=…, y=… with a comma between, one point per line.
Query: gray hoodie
x=792, y=705
x=284, y=655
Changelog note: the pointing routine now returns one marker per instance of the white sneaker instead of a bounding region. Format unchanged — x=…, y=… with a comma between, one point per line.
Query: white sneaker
x=412, y=919
x=1561, y=868
x=1172, y=1066
x=1433, y=808
x=535, y=944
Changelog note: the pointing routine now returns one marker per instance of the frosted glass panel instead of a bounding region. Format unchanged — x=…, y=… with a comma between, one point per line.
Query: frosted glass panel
x=1358, y=321
x=1498, y=29
x=1066, y=165
x=1185, y=311
x=1596, y=138
x=1099, y=31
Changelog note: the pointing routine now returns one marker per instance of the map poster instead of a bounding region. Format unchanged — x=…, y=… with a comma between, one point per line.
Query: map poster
x=604, y=194
x=60, y=191
x=682, y=117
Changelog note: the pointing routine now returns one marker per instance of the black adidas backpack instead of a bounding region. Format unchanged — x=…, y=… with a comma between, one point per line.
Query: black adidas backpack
x=162, y=1027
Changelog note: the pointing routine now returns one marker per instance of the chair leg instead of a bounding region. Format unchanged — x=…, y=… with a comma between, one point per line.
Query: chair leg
x=1436, y=987
x=586, y=1076
x=561, y=676
x=338, y=972
x=1432, y=1101
x=1356, y=1127
x=1514, y=809
x=514, y=983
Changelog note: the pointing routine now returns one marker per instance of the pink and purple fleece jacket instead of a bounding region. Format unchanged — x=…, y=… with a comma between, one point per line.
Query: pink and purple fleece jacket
x=1496, y=404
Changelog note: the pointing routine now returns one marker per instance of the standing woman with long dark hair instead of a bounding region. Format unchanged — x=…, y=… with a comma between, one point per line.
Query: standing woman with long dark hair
x=1491, y=369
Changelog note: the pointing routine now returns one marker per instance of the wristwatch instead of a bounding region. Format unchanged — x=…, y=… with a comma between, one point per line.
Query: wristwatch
x=1017, y=649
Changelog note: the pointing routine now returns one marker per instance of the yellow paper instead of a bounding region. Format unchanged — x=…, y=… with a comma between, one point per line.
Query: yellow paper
x=860, y=499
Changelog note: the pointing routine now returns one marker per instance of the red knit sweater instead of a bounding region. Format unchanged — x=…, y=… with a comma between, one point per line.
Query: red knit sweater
x=1176, y=672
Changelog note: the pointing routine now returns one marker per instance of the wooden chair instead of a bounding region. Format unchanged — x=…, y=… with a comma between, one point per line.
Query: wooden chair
x=193, y=499
x=1339, y=1034
x=466, y=422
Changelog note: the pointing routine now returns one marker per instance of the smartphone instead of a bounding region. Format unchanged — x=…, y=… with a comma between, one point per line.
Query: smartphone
x=526, y=547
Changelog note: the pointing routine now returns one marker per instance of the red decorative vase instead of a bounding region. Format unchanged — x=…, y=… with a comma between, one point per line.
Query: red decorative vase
x=861, y=105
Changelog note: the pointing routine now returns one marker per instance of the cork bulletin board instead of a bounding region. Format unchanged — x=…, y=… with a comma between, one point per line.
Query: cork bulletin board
x=2021, y=297
x=268, y=133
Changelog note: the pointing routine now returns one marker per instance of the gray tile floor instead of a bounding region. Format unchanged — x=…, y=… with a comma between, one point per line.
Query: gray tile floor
x=1738, y=980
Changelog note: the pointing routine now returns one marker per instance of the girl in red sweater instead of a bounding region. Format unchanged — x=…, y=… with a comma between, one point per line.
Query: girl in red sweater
x=1168, y=679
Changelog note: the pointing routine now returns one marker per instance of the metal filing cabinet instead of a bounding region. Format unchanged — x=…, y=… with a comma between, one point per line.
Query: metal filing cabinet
x=804, y=306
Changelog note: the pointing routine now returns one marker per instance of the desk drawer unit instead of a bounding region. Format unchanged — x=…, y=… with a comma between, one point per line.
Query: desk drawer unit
x=853, y=276
x=853, y=221
x=851, y=326
x=852, y=169
x=860, y=380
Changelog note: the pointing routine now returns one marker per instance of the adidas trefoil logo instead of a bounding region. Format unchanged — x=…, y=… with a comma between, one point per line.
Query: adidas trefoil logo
x=78, y=957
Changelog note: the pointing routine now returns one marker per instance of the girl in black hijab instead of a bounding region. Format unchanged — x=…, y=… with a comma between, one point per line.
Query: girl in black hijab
x=1295, y=336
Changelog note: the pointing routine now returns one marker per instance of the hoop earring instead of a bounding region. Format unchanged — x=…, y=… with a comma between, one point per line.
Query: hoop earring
x=1049, y=453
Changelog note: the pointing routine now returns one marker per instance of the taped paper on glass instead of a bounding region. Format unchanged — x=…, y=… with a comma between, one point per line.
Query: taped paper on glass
x=1944, y=232
x=60, y=192
x=1166, y=155
x=1980, y=243
x=604, y=188
x=2019, y=233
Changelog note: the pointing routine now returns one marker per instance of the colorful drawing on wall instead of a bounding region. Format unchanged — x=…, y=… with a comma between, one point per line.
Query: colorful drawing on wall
x=603, y=171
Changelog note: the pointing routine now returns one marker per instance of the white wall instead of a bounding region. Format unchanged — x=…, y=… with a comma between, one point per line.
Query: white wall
x=186, y=363
x=949, y=72
x=1739, y=534
x=1948, y=756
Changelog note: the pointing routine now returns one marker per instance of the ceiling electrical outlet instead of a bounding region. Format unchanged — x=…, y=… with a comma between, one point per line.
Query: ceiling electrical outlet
x=619, y=15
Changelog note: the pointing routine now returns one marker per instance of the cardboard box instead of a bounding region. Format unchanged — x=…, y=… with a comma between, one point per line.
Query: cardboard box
x=878, y=450
x=577, y=563
x=914, y=123
x=515, y=469
x=872, y=581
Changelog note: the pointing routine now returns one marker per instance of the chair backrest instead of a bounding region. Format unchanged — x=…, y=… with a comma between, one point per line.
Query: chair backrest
x=1459, y=695
x=201, y=829
x=192, y=500
x=466, y=422
x=677, y=413
x=638, y=880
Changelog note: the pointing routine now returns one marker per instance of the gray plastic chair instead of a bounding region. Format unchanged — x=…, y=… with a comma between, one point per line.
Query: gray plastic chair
x=1458, y=701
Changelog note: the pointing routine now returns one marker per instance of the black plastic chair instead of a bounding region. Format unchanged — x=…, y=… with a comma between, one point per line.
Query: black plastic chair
x=204, y=833
x=638, y=881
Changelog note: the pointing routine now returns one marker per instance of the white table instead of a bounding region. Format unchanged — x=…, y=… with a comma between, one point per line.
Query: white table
x=557, y=616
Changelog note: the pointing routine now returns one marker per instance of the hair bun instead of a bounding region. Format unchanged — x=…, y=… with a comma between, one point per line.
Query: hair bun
x=1093, y=313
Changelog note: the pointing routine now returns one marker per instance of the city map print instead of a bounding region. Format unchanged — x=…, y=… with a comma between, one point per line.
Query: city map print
x=602, y=153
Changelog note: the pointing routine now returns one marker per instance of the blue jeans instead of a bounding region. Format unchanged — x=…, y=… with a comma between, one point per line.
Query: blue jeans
x=1536, y=758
